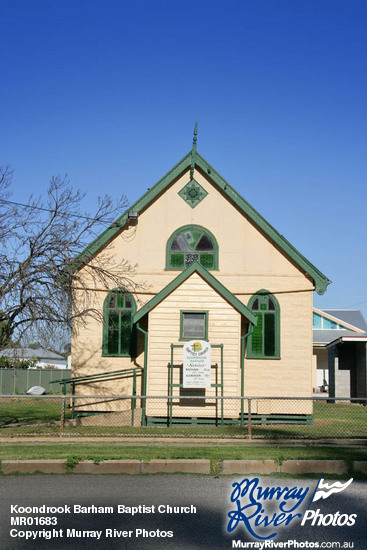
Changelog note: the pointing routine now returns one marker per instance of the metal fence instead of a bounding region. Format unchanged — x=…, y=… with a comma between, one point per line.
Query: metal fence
x=18, y=381
x=183, y=416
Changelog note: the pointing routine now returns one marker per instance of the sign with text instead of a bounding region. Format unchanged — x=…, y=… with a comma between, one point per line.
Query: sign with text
x=196, y=364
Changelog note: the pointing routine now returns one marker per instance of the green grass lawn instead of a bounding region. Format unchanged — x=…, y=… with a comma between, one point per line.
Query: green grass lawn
x=41, y=416
x=330, y=420
x=19, y=411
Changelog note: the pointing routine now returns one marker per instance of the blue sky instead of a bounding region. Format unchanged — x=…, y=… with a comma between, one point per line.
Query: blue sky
x=109, y=91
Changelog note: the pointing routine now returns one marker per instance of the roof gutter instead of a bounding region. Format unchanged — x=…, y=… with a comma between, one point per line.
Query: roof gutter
x=344, y=339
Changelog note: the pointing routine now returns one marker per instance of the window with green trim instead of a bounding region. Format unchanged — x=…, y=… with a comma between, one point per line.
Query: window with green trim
x=190, y=244
x=264, y=342
x=118, y=312
x=193, y=324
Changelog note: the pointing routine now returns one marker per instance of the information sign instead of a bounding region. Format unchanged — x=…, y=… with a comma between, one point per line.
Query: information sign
x=196, y=364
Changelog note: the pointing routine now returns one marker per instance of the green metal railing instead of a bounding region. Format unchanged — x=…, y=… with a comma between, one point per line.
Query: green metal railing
x=112, y=375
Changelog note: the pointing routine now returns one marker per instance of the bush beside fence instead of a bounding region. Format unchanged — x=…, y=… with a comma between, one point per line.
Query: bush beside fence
x=231, y=417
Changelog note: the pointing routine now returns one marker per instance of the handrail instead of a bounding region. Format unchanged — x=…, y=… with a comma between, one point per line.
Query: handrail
x=102, y=375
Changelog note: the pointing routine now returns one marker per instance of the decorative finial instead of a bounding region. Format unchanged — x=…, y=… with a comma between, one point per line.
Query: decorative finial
x=195, y=136
x=193, y=151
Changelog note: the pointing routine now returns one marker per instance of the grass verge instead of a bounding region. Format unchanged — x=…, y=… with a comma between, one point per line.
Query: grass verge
x=98, y=452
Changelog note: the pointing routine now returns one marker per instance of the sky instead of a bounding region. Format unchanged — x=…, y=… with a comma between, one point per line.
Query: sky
x=108, y=92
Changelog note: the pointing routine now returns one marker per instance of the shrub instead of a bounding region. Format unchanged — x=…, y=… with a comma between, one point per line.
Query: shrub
x=17, y=363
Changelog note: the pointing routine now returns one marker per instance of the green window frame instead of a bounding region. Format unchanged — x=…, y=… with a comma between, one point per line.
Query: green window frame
x=264, y=341
x=186, y=333
x=118, y=313
x=191, y=243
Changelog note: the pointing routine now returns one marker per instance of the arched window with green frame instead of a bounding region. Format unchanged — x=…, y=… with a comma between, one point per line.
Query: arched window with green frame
x=189, y=244
x=264, y=341
x=118, y=313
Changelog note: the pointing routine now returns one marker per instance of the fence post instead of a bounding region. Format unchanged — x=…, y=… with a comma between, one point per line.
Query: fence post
x=62, y=416
x=73, y=400
x=249, y=418
x=133, y=401
x=171, y=388
x=221, y=384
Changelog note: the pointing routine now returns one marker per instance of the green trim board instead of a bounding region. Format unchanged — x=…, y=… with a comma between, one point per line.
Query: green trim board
x=104, y=238
x=206, y=323
x=260, y=420
x=320, y=280
x=210, y=279
x=191, y=236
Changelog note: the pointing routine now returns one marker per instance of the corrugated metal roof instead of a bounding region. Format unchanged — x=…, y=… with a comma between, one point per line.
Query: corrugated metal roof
x=322, y=336
x=351, y=316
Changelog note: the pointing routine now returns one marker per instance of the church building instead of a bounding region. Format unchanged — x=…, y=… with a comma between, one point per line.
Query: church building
x=208, y=268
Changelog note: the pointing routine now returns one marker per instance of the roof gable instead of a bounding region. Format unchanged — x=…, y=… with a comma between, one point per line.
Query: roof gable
x=194, y=159
x=210, y=279
x=341, y=320
x=352, y=317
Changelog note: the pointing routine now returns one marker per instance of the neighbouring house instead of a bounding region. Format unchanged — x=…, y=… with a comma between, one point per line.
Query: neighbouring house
x=43, y=358
x=209, y=267
x=339, y=340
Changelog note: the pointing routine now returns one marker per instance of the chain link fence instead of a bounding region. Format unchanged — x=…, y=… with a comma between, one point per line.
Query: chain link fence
x=183, y=416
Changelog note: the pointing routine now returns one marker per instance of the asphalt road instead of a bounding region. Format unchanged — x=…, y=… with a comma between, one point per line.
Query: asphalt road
x=207, y=528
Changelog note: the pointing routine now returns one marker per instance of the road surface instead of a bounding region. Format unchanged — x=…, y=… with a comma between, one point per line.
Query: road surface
x=183, y=512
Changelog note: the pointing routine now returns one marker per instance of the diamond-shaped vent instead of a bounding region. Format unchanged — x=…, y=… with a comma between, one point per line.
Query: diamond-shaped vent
x=193, y=193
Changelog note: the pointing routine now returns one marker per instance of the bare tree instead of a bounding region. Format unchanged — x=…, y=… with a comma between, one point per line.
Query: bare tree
x=39, y=241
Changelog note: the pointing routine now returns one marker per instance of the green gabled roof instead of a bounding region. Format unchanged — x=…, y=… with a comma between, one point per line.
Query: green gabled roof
x=210, y=279
x=194, y=158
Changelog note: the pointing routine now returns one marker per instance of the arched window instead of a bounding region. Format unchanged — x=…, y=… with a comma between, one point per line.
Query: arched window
x=189, y=244
x=118, y=312
x=264, y=342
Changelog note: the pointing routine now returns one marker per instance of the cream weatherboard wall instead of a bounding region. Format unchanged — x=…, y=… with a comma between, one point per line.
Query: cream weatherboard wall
x=243, y=249
x=224, y=327
x=248, y=261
